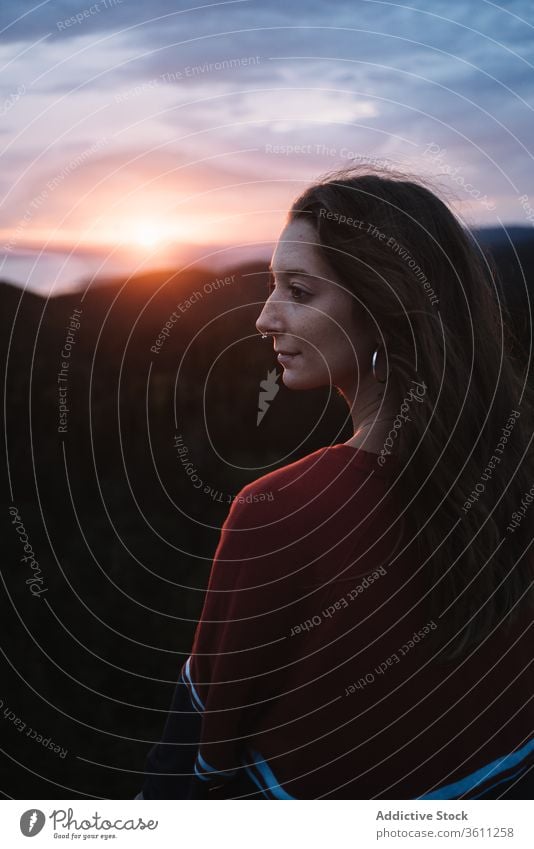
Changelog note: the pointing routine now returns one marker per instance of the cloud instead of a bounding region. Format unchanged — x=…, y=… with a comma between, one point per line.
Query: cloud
x=226, y=84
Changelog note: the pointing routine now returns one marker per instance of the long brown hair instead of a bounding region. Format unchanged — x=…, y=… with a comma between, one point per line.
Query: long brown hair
x=466, y=465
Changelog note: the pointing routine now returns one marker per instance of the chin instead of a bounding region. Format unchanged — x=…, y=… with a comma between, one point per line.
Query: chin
x=293, y=379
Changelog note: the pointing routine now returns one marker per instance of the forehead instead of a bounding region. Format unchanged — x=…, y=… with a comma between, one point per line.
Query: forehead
x=297, y=248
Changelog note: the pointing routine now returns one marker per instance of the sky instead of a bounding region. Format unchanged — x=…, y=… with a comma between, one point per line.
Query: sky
x=149, y=133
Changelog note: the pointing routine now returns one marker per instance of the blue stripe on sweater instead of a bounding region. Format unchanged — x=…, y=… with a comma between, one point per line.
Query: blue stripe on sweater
x=197, y=701
x=508, y=778
x=267, y=775
x=496, y=767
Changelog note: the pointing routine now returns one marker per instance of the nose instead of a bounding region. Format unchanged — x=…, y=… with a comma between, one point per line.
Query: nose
x=269, y=319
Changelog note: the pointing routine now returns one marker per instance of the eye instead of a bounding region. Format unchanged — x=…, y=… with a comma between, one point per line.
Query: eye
x=297, y=293
x=296, y=290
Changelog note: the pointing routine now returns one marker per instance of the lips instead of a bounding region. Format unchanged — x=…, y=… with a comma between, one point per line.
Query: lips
x=285, y=359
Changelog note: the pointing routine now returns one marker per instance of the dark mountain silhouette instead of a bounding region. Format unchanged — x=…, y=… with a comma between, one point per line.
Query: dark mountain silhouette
x=123, y=537
x=122, y=533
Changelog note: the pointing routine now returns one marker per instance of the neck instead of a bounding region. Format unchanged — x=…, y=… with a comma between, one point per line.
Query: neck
x=372, y=411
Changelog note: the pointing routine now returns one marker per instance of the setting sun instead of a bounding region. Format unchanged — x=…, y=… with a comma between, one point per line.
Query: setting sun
x=148, y=234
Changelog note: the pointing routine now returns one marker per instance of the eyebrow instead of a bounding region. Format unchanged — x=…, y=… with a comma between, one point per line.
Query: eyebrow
x=290, y=271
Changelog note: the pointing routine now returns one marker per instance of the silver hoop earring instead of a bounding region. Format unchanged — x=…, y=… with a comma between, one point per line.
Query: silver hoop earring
x=264, y=336
x=373, y=364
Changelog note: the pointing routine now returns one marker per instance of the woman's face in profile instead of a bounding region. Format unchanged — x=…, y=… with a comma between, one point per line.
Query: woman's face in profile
x=310, y=315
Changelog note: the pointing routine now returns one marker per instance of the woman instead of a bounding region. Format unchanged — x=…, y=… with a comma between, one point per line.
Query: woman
x=367, y=629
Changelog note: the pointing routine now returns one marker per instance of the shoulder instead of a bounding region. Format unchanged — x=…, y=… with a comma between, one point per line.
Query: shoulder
x=287, y=480
x=285, y=523
x=290, y=499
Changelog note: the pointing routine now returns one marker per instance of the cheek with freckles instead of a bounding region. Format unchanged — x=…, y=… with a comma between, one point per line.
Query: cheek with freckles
x=326, y=355
x=336, y=339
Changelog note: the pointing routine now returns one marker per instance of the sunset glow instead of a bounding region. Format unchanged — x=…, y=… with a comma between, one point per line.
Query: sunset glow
x=148, y=234
x=112, y=145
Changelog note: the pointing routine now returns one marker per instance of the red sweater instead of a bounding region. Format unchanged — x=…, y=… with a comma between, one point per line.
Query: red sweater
x=312, y=672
